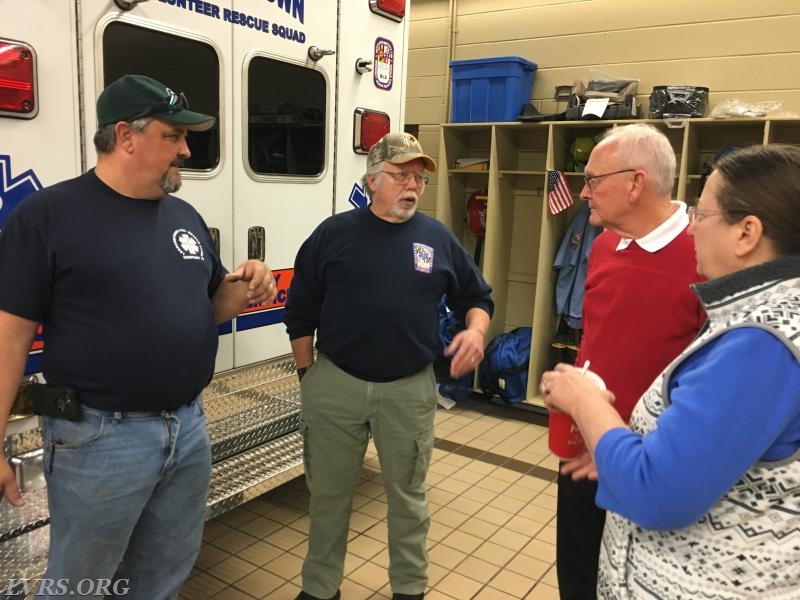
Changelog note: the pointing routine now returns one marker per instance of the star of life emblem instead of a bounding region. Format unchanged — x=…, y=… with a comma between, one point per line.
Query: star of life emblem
x=187, y=244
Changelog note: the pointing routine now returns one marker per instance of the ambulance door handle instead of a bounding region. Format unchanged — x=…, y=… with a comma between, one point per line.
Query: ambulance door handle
x=214, y=233
x=256, y=243
x=127, y=4
x=363, y=65
x=315, y=53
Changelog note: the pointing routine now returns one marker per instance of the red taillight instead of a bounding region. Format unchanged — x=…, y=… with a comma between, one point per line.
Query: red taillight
x=394, y=9
x=17, y=79
x=368, y=127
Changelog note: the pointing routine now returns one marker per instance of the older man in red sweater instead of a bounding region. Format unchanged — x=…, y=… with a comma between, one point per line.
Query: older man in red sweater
x=638, y=311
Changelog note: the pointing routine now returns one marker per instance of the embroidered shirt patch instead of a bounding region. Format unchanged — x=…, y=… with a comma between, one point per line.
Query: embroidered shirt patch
x=187, y=244
x=423, y=258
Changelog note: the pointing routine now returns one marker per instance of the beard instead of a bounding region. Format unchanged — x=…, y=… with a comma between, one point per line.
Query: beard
x=171, y=180
x=403, y=214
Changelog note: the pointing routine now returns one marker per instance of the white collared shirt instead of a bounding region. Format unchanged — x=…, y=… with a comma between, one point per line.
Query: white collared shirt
x=662, y=235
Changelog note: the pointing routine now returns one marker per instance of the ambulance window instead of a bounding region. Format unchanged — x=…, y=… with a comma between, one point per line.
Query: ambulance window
x=286, y=118
x=182, y=64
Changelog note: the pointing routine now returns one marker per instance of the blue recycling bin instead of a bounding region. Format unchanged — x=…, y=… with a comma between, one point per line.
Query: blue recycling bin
x=490, y=89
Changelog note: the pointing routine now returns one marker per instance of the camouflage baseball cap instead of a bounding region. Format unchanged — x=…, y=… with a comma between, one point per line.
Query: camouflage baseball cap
x=398, y=148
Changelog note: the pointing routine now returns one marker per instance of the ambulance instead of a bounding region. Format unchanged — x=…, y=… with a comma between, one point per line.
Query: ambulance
x=300, y=89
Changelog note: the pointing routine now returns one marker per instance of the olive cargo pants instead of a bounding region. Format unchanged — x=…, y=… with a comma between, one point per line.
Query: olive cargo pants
x=339, y=412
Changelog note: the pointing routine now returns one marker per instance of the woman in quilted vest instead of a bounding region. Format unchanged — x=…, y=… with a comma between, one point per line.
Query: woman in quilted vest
x=703, y=489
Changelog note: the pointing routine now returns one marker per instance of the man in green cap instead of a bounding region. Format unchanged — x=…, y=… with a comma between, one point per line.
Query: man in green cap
x=129, y=289
x=368, y=282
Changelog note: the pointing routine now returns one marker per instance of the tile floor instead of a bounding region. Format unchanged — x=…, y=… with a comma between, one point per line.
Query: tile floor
x=492, y=536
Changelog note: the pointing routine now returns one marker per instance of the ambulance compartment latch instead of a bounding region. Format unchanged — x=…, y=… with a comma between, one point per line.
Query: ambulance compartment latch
x=363, y=65
x=315, y=53
x=256, y=243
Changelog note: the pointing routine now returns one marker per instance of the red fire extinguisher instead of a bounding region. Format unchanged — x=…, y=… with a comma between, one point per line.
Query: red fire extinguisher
x=476, y=220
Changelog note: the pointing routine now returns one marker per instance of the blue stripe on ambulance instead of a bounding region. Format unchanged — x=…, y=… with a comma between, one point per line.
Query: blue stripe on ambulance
x=259, y=319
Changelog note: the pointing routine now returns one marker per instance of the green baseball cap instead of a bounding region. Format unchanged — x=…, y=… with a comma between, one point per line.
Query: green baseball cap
x=134, y=97
x=398, y=148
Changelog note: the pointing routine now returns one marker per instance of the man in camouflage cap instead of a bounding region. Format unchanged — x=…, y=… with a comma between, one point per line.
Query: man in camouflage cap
x=398, y=148
x=368, y=282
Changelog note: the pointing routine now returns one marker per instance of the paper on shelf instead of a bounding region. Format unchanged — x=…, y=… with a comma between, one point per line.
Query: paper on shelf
x=473, y=164
x=595, y=106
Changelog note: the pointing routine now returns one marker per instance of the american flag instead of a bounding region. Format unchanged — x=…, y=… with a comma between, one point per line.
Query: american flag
x=559, y=196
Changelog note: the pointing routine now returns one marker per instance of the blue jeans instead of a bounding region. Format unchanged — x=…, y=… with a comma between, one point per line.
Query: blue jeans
x=127, y=493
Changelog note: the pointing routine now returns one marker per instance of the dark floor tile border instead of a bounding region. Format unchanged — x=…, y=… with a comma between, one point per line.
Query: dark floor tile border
x=518, y=412
x=447, y=445
x=498, y=460
x=469, y=451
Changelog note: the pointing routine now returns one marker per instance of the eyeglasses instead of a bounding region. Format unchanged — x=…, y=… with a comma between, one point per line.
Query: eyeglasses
x=698, y=215
x=593, y=180
x=174, y=102
x=405, y=176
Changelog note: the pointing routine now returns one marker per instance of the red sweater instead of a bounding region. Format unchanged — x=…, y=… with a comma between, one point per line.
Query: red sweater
x=638, y=313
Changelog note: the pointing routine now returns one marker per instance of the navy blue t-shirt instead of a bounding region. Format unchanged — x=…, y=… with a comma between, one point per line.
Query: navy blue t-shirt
x=370, y=290
x=122, y=288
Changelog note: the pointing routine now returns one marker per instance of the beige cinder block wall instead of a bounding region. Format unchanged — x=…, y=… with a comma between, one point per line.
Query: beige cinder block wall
x=745, y=49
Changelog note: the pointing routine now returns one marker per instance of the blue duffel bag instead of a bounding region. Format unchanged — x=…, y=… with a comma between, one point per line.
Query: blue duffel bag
x=504, y=369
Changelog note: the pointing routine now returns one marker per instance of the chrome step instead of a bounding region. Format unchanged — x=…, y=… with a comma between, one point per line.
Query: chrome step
x=15, y=522
x=24, y=558
x=245, y=476
x=280, y=374
x=262, y=417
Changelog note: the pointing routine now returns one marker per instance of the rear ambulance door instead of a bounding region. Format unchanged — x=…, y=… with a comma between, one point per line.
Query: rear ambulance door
x=189, y=51
x=39, y=141
x=283, y=150
x=379, y=41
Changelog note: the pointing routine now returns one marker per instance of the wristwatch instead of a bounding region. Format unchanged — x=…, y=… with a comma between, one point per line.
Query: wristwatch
x=301, y=372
